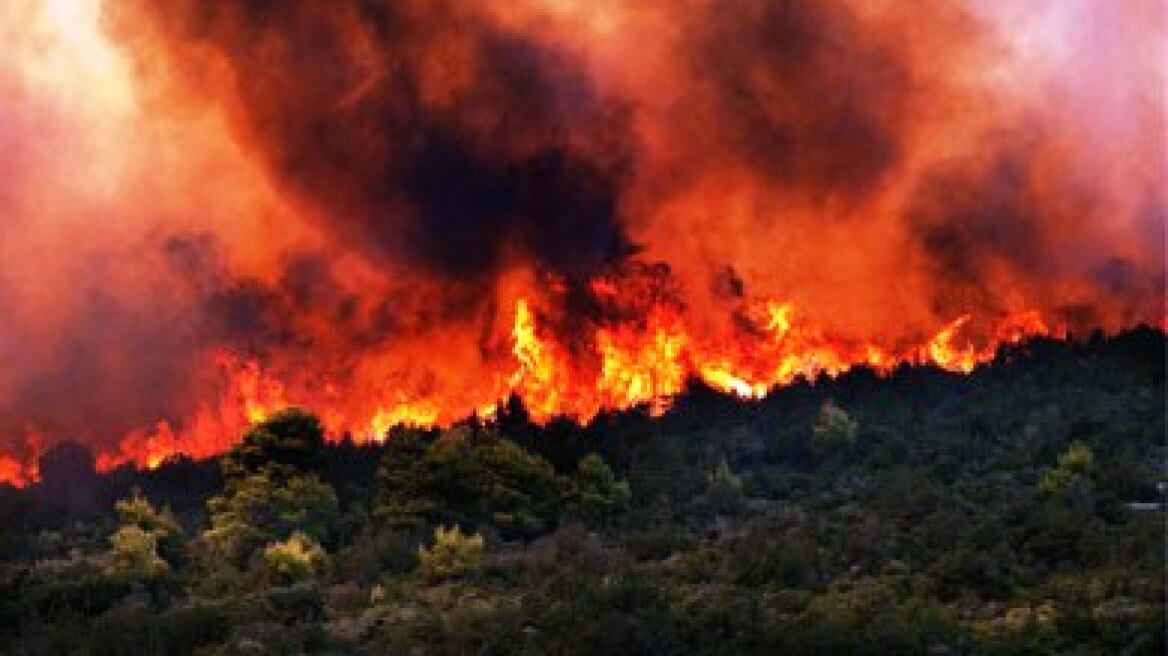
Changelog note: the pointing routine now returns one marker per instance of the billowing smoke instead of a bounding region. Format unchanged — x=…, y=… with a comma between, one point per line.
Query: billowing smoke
x=353, y=197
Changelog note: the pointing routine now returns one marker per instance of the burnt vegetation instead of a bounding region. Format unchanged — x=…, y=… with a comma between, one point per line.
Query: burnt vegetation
x=1016, y=510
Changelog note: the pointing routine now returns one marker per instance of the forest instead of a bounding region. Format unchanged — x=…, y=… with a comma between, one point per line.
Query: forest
x=1015, y=510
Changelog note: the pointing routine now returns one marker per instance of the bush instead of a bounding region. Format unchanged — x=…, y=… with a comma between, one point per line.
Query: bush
x=295, y=560
x=834, y=426
x=1073, y=470
x=300, y=603
x=290, y=437
x=453, y=554
x=725, y=493
x=134, y=553
x=596, y=493
x=467, y=478
x=268, y=506
x=159, y=524
x=178, y=631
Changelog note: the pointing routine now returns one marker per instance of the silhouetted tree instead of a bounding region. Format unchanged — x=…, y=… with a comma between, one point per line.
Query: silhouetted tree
x=290, y=437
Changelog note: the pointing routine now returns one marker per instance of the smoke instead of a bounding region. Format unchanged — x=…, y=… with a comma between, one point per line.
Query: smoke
x=97, y=333
x=358, y=193
x=419, y=134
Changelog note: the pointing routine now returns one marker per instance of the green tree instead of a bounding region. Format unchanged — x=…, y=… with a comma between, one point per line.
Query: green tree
x=1073, y=469
x=724, y=492
x=834, y=426
x=268, y=506
x=296, y=560
x=596, y=493
x=468, y=477
x=403, y=502
x=134, y=552
x=272, y=489
x=453, y=554
x=160, y=524
x=290, y=437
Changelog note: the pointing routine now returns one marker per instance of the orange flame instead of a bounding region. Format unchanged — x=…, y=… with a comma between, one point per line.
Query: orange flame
x=638, y=365
x=716, y=143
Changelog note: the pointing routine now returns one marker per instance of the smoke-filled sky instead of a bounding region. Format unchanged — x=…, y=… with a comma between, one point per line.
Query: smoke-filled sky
x=357, y=193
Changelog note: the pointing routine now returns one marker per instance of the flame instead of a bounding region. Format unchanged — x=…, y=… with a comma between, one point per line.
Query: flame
x=638, y=365
x=18, y=473
x=541, y=375
x=946, y=355
x=203, y=226
x=634, y=373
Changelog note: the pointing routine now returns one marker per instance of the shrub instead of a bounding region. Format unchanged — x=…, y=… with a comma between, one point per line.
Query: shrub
x=297, y=559
x=834, y=426
x=290, y=437
x=137, y=511
x=596, y=493
x=134, y=552
x=467, y=478
x=1072, y=470
x=453, y=554
x=725, y=493
x=268, y=506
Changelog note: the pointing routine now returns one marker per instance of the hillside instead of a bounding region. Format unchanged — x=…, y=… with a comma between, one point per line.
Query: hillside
x=1014, y=510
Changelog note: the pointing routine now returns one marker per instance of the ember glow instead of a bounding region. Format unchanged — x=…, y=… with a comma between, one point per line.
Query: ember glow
x=408, y=212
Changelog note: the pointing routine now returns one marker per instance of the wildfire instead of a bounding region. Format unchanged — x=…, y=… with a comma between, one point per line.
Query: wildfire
x=646, y=364
x=14, y=472
x=410, y=213
x=541, y=376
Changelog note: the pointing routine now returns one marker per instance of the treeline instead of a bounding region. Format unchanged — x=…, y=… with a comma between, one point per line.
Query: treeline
x=1014, y=511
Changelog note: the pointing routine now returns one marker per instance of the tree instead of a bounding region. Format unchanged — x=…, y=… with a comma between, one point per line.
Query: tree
x=268, y=506
x=468, y=477
x=290, y=437
x=403, y=501
x=1072, y=471
x=296, y=560
x=453, y=554
x=834, y=426
x=160, y=524
x=68, y=478
x=596, y=494
x=725, y=493
x=272, y=489
x=134, y=552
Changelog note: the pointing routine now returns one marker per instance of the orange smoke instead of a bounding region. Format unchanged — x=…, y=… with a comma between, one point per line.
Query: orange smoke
x=408, y=212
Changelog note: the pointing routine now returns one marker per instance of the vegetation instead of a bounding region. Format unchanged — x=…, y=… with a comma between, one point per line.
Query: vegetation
x=725, y=490
x=1013, y=511
x=269, y=506
x=834, y=426
x=453, y=554
x=296, y=560
x=1072, y=471
x=147, y=542
x=596, y=494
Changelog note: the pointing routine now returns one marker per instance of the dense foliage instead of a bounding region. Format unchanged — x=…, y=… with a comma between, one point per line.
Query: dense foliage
x=1014, y=511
